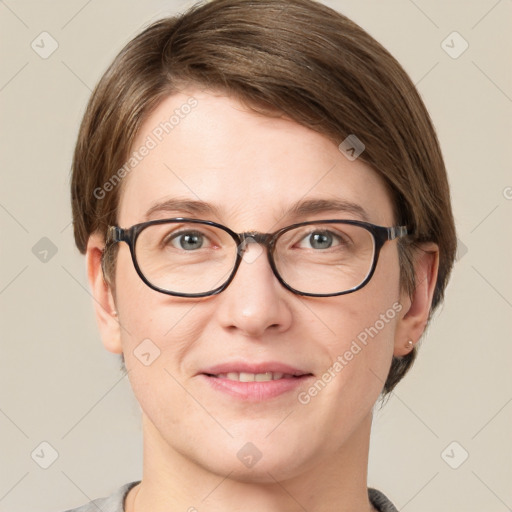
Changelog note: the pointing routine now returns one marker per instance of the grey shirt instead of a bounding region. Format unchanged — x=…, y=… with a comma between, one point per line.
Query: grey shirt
x=115, y=502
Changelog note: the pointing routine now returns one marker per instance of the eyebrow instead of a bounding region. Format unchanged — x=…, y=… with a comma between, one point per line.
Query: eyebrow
x=315, y=206
x=299, y=209
x=186, y=206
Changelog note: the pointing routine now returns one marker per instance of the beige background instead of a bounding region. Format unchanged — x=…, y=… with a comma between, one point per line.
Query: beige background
x=60, y=386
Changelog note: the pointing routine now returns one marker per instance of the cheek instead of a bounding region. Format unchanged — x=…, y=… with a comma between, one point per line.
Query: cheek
x=361, y=333
x=153, y=323
x=158, y=335
x=359, y=340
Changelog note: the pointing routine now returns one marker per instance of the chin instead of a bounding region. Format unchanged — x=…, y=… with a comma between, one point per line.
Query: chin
x=255, y=463
x=261, y=473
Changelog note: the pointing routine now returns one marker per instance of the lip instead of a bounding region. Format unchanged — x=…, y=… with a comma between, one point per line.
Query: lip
x=255, y=391
x=263, y=367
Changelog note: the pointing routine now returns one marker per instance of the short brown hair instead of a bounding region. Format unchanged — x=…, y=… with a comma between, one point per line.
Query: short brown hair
x=300, y=59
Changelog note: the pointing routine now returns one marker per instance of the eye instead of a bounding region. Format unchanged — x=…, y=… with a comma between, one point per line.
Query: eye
x=187, y=240
x=320, y=240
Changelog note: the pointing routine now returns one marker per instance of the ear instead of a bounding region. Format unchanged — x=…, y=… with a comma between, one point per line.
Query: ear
x=417, y=307
x=104, y=304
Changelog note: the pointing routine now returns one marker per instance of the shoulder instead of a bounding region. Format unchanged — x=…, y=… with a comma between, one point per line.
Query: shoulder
x=380, y=501
x=112, y=503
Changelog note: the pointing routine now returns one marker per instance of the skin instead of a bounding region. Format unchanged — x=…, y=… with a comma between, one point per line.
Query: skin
x=314, y=456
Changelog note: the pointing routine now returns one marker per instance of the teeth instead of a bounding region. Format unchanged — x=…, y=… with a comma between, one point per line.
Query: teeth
x=246, y=377
x=264, y=376
x=253, y=377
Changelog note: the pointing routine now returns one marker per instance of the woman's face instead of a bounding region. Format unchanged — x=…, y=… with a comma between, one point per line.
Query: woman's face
x=248, y=172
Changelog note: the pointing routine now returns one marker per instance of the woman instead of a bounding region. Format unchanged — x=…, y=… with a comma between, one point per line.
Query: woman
x=264, y=209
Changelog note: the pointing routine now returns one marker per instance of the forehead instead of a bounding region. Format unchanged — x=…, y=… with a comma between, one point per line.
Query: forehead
x=209, y=148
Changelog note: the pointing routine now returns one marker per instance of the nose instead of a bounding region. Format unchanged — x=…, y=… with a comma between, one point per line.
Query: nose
x=254, y=302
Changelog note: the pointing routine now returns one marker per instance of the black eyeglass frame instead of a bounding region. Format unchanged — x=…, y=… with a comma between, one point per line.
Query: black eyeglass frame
x=380, y=234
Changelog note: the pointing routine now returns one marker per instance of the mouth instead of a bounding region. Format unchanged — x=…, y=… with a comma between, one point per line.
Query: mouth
x=256, y=377
x=255, y=382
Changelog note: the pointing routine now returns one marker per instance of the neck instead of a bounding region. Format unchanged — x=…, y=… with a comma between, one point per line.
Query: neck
x=173, y=481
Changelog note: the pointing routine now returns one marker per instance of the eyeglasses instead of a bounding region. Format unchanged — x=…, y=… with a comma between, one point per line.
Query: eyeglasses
x=197, y=258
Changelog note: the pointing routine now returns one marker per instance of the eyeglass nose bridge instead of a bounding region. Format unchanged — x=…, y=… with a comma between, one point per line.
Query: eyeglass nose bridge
x=253, y=237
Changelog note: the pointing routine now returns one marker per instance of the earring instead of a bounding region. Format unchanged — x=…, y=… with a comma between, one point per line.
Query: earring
x=409, y=345
x=114, y=313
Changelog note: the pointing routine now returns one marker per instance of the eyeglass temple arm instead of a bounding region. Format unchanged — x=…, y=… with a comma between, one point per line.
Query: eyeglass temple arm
x=114, y=234
x=397, y=232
